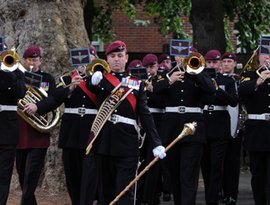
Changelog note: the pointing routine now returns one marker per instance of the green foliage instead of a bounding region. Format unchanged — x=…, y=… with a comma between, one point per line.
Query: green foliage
x=253, y=18
x=253, y=21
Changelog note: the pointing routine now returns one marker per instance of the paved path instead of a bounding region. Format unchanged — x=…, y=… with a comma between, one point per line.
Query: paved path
x=245, y=193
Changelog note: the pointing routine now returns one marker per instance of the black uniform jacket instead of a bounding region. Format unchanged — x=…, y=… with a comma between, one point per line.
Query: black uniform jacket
x=218, y=122
x=256, y=101
x=187, y=93
x=122, y=139
x=75, y=128
x=12, y=88
x=29, y=136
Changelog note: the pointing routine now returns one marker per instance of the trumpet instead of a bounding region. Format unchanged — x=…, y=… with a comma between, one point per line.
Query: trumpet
x=193, y=64
x=96, y=64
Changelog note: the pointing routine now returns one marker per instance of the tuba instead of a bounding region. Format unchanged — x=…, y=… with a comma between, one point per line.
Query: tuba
x=42, y=123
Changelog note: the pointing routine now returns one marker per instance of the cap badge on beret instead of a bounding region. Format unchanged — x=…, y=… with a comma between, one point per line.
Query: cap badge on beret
x=265, y=46
x=79, y=56
x=179, y=47
x=116, y=46
x=32, y=52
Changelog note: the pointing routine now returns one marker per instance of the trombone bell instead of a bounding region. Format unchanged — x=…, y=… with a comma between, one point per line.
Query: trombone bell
x=194, y=63
x=9, y=61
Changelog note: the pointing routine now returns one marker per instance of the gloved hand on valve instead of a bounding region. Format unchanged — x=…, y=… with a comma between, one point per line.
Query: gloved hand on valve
x=159, y=151
x=96, y=78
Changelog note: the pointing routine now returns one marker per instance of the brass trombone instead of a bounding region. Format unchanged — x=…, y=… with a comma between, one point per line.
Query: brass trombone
x=95, y=65
x=10, y=61
x=193, y=64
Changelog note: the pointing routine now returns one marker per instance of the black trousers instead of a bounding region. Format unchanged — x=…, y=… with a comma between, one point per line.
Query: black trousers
x=184, y=165
x=7, y=156
x=115, y=173
x=73, y=166
x=260, y=179
x=29, y=164
x=89, y=181
x=148, y=185
x=212, y=168
x=231, y=173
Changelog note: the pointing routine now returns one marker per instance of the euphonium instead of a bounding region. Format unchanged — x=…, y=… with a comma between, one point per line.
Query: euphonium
x=42, y=123
x=10, y=62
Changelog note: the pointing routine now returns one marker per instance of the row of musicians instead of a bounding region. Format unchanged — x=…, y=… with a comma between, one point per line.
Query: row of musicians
x=184, y=96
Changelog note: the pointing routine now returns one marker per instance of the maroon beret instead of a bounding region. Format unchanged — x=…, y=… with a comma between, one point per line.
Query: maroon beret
x=149, y=59
x=92, y=51
x=229, y=55
x=32, y=52
x=135, y=64
x=193, y=49
x=163, y=57
x=116, y=46
x=213, y=55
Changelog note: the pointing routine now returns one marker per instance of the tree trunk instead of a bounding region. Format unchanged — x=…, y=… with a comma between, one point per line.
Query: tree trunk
x=206, y=18
x=56, y=26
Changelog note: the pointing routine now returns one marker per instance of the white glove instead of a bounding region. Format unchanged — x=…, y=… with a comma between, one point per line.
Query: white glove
x=159, y=151
x=96, y=78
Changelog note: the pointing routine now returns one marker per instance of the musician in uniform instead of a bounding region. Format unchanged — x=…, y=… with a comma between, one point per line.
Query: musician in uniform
x=79, y=113
x=116, y=146
x=254, y=91
x=166, y=62
x=231, y=167
x=150, y=185
x=136, y=63
x=33, y=145
x=12, y=88
x=183, y=104
x=218, y=130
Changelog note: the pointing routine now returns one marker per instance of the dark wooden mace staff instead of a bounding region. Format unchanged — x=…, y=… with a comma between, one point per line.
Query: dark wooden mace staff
x=189, y=129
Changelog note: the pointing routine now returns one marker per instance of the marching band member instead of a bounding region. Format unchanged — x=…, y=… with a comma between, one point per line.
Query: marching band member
x=183, y=94
x=33, y=145
x=217, y=118
x=231, y=167
x=12, y=88
x=254, y=91
x=150, y=185
x=79, y=113
x=116, y=147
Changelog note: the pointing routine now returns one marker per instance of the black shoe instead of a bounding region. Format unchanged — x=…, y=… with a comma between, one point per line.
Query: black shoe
x=166, y=197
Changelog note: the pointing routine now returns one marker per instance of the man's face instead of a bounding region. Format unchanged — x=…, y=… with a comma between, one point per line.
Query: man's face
x=152, y=69
x=228, y=65
x=32, y=64
x=168, y=64
x=214, y=64
x=263, y=58
x=117, y=61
